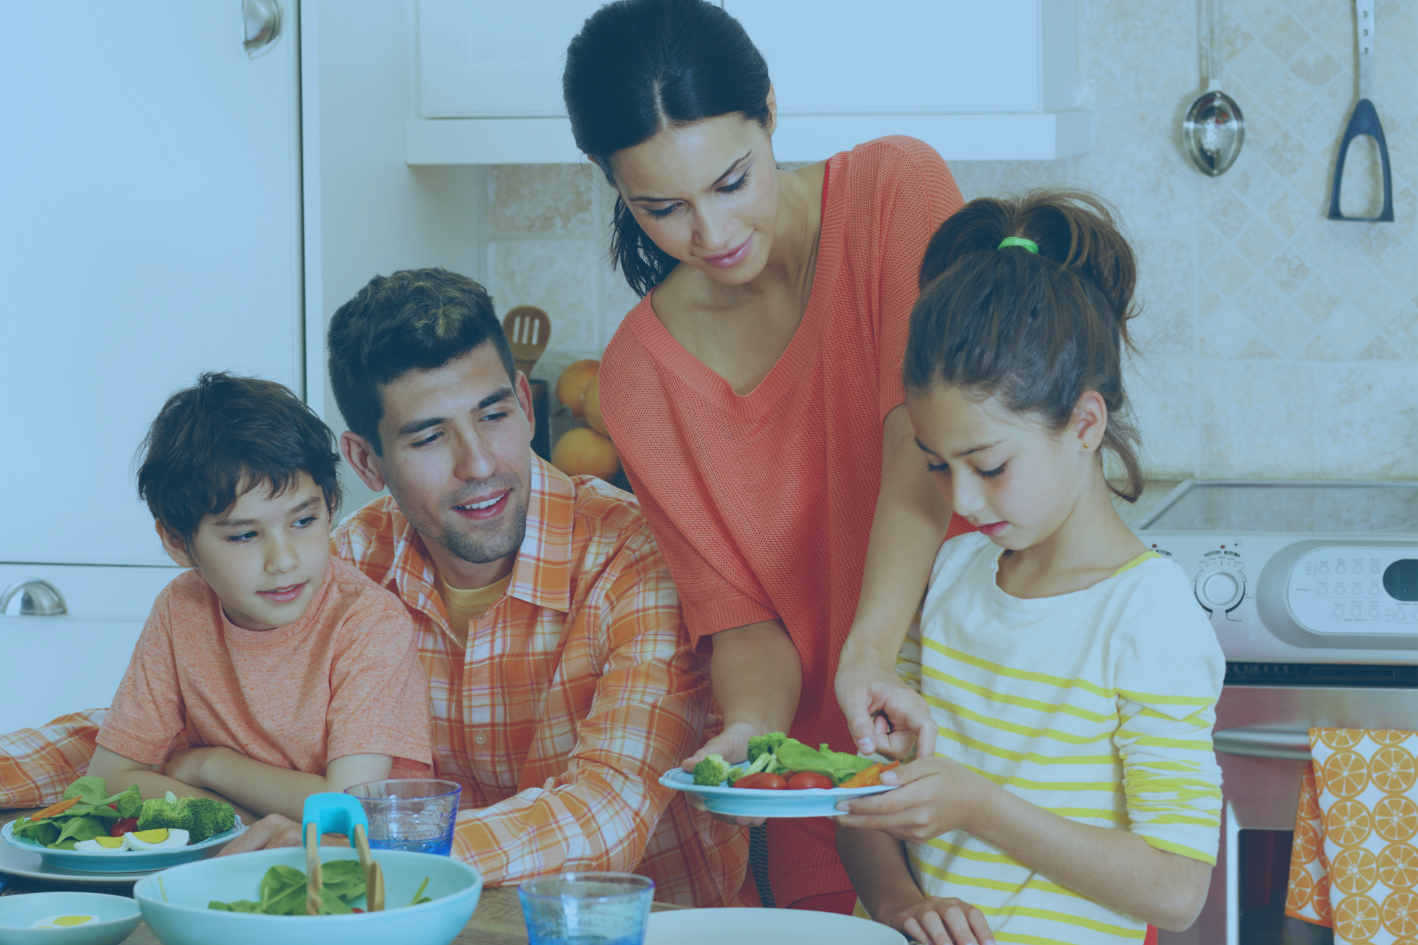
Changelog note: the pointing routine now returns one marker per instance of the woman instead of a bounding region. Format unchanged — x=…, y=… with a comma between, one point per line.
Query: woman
x=755, y=393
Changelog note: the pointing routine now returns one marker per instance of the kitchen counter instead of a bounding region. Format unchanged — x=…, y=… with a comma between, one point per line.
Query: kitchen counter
x=497, y=921
x=1153, y=492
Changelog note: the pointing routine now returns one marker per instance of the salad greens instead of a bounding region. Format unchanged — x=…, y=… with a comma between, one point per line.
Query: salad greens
x=93, y=816
x=777, y=752
x=283, y=891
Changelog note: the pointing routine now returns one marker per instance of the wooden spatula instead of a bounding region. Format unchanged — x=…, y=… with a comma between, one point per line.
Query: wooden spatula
x=528, y=331
x=313, y=880
x=373, y=875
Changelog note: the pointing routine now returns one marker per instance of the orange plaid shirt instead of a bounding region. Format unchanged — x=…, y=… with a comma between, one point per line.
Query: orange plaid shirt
x=582, y=673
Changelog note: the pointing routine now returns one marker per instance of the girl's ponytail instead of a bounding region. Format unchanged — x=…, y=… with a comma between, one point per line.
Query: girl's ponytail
x=1037, y=329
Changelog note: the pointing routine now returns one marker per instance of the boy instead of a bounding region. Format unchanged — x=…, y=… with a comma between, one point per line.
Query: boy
x=288, y=673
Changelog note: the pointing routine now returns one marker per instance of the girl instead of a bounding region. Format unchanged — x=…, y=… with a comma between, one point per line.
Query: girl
x=754, y=394
x=1073, y=677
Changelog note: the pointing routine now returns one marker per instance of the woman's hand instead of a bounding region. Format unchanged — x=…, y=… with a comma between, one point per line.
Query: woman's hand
x=732, y=744
x=883, y=713
x=936, y=795
x=943, y=922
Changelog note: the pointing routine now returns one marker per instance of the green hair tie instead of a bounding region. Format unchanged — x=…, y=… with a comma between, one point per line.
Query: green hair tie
x=1030, y=245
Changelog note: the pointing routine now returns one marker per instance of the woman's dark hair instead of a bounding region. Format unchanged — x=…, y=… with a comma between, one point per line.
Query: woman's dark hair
x=639, y=66
x=214, y=442
x=411, y=320
x=1035, y=330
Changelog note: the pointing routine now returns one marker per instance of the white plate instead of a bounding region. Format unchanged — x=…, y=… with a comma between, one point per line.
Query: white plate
x=17, y=862
x=764, y=927
x=750, y=802
x=129, y=862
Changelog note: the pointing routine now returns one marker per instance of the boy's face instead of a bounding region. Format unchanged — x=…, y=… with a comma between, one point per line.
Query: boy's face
x=457, y=459
x=266, y=556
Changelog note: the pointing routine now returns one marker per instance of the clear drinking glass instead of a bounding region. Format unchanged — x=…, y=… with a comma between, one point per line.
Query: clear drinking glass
x=415, y=814
x=586, y=908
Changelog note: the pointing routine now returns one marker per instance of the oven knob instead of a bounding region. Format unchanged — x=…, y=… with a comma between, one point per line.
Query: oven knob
x=1220, y=590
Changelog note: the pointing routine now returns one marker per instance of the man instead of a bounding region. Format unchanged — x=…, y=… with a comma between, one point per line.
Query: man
x=561, y=678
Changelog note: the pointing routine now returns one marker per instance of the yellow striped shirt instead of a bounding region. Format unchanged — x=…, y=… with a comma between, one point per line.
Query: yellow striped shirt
x=1096, y=705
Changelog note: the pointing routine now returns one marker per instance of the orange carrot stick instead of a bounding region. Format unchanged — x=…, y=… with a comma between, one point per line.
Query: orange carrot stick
x=54, y=810
x=868, y=777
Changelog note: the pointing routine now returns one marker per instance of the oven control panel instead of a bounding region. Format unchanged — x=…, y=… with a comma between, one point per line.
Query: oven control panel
x=1355, y=590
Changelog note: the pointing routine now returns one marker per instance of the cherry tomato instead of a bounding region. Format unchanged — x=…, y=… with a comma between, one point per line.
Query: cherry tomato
x=357, y=909
x=763, y=781
x=123, y=825
x=805, y=780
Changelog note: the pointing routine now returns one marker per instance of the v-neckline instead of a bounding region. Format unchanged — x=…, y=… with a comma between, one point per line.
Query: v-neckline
x=783, y=376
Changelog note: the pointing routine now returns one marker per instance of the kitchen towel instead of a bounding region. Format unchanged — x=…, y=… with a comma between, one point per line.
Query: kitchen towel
x=1354, y=864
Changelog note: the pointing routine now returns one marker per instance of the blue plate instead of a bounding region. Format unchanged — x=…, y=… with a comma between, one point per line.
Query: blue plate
x=749, y=802
x=129, y=861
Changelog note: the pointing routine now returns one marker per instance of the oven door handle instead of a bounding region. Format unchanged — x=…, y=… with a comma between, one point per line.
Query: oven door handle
x=1260, y=741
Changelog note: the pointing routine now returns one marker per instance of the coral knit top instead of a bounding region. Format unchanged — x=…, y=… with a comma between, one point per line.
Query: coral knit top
x=763, y=503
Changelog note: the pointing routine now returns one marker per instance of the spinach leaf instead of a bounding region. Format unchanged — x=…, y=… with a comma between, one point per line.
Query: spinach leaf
x=44, y=833
x=283, y=891
x=79, y=828
x=88, y=789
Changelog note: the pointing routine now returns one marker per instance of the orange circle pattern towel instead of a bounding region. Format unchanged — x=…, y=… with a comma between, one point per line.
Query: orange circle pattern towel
x=1354, y=864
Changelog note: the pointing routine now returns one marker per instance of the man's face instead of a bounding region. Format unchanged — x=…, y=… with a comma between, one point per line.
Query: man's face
x=457, y=457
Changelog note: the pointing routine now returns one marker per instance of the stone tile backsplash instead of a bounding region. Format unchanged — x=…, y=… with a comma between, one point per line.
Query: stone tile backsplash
x=1273, y=343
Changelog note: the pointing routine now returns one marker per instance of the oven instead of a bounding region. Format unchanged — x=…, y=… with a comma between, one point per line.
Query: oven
x=1312, y=589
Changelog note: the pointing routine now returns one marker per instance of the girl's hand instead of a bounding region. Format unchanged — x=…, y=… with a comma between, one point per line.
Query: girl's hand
x=883, y=713
x=943, y=922
x=732, y=744
x=936, y=795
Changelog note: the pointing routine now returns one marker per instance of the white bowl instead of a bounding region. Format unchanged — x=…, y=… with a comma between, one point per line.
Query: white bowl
x=174, y=902
x=115, y=918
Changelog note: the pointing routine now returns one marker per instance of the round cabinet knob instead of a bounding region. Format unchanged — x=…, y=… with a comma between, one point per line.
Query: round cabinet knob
x=1220, y=590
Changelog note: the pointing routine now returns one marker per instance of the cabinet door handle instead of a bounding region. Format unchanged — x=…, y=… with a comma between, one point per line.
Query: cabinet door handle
x=263, y=25
x=1260, y=741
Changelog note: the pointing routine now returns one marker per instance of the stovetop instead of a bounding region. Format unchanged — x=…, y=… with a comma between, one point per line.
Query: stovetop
x=1388, y=509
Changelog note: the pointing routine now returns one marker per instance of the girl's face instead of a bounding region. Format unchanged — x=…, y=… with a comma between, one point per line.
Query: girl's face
x=1006, y=473
x=706, y=193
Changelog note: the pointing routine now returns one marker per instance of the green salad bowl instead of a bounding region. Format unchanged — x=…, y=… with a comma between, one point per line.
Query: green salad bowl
x=174, y=902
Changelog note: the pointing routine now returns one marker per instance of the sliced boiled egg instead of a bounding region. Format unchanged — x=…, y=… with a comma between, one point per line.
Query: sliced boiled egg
x=102, y=845
x=156, y=839
x=64, y=921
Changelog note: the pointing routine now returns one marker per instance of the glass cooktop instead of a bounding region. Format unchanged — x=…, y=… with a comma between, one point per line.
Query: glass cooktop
x=1293, y=507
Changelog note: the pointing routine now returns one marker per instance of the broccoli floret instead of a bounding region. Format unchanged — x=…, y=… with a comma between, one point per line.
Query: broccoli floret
x=760, y=744
x=712, y=771
x=203, y=811
x=159, y=814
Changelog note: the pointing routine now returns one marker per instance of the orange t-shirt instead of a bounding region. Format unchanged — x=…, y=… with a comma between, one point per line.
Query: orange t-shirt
x=345, y=679
x=763, y=503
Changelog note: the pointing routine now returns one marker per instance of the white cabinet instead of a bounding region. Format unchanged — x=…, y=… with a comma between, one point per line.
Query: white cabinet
x=978, y=79
x=150, y=193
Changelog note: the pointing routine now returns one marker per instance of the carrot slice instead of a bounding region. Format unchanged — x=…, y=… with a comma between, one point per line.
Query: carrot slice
x=868, y=777
x=54, y=810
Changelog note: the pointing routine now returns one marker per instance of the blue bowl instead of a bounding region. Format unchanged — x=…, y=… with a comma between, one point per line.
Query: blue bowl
x=115, y=918
x=174, y=902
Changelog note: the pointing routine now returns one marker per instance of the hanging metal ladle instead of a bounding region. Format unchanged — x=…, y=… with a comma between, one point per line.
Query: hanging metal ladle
x=1214, y=127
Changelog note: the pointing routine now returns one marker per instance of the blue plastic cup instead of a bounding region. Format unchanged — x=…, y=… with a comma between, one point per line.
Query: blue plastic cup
x=586, y=908
x=415, y=814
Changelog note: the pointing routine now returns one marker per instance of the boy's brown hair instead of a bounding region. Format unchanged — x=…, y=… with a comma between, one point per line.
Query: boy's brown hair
x=1036, y=330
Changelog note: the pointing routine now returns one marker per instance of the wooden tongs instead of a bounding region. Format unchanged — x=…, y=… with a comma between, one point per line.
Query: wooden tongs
x=338, y=813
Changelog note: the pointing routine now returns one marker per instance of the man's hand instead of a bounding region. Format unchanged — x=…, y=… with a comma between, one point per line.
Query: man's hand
x=936, y=795
x=883, y=713
x=943, y=922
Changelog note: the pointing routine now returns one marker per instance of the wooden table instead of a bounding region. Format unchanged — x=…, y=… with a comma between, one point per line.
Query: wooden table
x=497, y=921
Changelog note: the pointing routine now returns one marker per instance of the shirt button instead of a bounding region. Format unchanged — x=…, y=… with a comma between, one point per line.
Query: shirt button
x=480, y=738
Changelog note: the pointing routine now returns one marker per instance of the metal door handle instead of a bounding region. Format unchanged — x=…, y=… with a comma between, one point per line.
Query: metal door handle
x=263, y=25
x=1260, y=741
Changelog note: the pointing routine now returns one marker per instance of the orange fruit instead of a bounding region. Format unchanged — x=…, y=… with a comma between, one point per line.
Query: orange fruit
x=1393, y=770
x=1387, y=736
x=1400, y=913
x=1357, y=918
x=1348, y=823
x=591, y=406
x=1302, y=889
x=1346, y=774
x=572, y=384
x=1396, y=818
x=583, y=452
x=1341, y=737
x=1398, y=866
x=1320, y=902
x=1307, y=843
x=1354, y=870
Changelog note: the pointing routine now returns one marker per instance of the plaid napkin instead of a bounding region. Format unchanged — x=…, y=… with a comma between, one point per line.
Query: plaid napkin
x=1354, y=864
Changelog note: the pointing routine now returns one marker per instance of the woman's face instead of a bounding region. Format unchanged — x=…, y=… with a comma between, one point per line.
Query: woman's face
x=706, y=193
